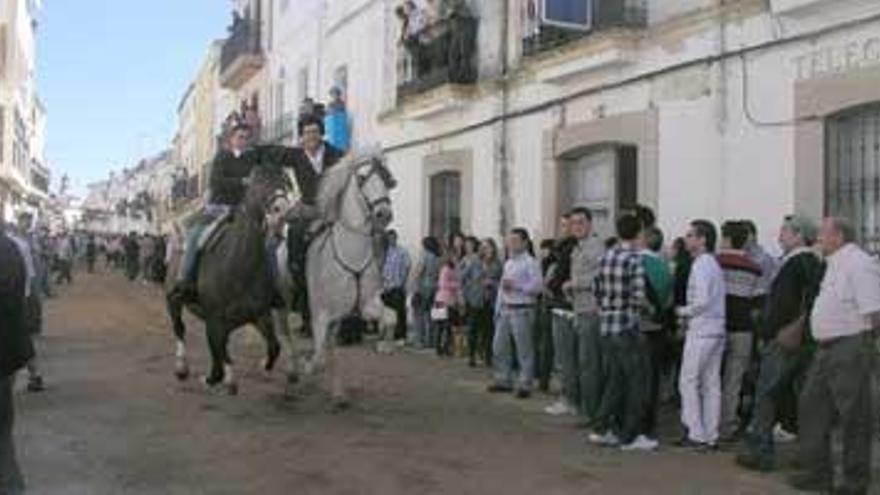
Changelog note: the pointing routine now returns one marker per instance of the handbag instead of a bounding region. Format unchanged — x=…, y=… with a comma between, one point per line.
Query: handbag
x=439, y=313
x=791, y=336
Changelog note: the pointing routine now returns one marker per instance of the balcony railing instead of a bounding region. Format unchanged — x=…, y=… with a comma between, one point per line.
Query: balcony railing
x=241, y=56
x=443, y=53
x=604, y=14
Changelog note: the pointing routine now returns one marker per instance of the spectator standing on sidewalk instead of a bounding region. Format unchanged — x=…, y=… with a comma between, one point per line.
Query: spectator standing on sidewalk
x=521, y=284
x=16, y=349
x=700, y=378
x=620, y=295
x=789, y=301
x=838, y=388
x=424, y=289
x=742, y=279
x=556, y=318
x=577, y=331
x=395, y=272
x=656, y=321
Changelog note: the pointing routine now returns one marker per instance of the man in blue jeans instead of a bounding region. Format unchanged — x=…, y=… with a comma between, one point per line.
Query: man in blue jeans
x=521, y=283
x=791, y=296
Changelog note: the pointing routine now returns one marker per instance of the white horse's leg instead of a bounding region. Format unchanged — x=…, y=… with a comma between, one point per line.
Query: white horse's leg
x=279, y=318
x=334, y=371
x=229, y=380
x=181, y=365
x=320, y=336
x=376, y=310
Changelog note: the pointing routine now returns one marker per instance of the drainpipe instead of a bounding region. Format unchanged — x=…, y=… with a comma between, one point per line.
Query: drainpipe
x=319, y=52
x=721, y=108
x=506, y=181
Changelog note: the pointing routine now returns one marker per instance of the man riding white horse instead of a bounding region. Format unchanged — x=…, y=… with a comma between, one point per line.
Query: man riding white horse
x=229, y=172
x=309, y=164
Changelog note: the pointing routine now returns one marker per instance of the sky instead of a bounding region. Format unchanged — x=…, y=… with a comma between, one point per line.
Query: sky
x=111, y=74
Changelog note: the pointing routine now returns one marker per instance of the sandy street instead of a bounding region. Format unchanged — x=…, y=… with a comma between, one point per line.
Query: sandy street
x=114, y=421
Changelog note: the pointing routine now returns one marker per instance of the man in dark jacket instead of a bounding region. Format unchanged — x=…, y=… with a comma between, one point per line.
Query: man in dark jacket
x=310, y=162
x=791, y=296
x=16, y=349
x=227, y=184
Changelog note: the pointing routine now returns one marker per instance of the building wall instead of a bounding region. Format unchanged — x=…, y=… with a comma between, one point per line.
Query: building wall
x=21, y=132
x=724, y=102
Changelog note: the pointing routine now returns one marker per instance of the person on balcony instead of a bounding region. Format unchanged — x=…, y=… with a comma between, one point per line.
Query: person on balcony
x=461, y=42
x=336, y=121
x=413, y=32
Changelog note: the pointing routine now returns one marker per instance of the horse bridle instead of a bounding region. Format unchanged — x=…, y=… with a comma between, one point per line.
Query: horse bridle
x=375, y=168
x=371, y=205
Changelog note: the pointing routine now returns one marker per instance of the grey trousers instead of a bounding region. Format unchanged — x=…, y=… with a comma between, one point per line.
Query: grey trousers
x=566, y=353
x=514, y=326
x=737, y=356
x=11, y=482
x=779, y=370
x=839, y=388
x=590, y=364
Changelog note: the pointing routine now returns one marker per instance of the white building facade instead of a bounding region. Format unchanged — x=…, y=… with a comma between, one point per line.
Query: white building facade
x=24, y=175
x=697, y=108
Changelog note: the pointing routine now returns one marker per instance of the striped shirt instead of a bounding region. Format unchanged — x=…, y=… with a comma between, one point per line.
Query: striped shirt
x=742, y=280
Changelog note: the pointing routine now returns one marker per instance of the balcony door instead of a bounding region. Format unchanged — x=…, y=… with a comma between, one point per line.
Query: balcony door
x=602, y=179
x=445, y=204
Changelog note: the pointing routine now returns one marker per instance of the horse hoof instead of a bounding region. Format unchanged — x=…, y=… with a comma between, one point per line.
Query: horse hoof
x=290, y=392
x=182, y=374
x=340, y=404
x=232, y=389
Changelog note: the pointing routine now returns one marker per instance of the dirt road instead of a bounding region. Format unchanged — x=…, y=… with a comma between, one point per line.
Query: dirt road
x=114, y=421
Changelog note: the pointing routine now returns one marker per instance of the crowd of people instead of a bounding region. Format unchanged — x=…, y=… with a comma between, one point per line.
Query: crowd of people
x=138, y=256
x=752, y=349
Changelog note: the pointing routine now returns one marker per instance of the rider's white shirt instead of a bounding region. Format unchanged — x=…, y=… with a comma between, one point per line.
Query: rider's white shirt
x=317, y=160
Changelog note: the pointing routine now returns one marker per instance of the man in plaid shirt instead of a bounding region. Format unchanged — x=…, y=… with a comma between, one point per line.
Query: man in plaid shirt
x=620, y=292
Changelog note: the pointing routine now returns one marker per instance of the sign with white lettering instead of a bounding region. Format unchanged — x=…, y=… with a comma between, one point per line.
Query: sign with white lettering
x=836, y=59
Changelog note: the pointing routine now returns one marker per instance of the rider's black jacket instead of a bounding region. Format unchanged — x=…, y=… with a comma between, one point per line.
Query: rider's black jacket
x=228, y=171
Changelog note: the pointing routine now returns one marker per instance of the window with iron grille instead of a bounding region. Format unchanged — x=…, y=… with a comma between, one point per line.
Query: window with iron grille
x=445, y=207
x=852, y=171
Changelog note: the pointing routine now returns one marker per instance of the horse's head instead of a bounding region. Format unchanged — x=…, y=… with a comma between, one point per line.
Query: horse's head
x=374, y=181
x=268, y=194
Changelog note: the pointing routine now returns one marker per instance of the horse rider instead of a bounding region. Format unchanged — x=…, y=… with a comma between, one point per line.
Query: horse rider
x=310, y=162
x=229, y=172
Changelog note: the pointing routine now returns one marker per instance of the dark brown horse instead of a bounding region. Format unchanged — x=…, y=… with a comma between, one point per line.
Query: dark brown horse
x=234, y=282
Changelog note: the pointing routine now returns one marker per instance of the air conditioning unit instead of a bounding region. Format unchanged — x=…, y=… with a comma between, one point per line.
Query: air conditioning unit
x=571, y=14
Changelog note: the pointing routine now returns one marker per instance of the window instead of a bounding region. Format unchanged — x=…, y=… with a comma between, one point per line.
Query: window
x=302, y=84
x=852, y=171
x=568, y=13
x=603, y=180
x=445, y=208
x=340, y=80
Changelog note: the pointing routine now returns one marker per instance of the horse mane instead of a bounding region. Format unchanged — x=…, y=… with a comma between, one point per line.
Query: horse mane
x=333, y=184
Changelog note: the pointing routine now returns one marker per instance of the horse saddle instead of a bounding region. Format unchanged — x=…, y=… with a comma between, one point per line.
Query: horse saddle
x=213, y=233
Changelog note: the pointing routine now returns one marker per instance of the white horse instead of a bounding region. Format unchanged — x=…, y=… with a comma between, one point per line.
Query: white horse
x=343, y=266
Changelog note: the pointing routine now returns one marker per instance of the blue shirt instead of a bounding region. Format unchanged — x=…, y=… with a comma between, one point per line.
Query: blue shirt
x=525, y=273
x=396, y=268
